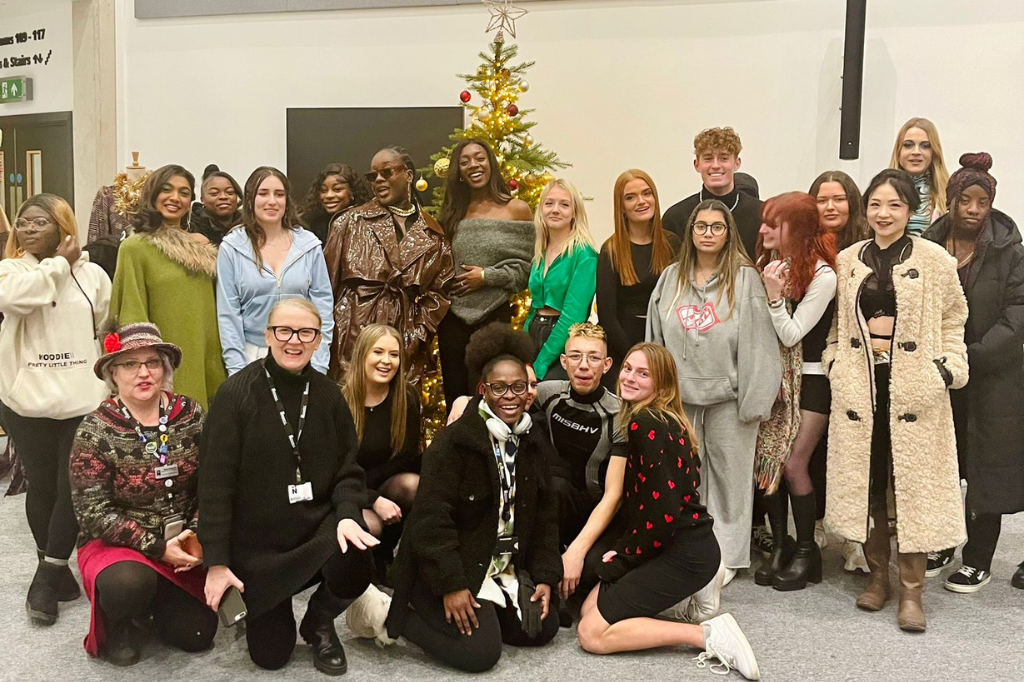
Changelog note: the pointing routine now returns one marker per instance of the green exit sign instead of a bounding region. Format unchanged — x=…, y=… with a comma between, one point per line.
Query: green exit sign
x=16, y=89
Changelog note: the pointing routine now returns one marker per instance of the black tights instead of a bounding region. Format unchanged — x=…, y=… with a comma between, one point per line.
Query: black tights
x=452, y=338
x=129, y=589
x=43, y=445
x=271, y=635
x=427, y=628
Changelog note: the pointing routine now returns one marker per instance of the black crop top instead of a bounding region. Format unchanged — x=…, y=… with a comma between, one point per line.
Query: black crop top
x=878, y=297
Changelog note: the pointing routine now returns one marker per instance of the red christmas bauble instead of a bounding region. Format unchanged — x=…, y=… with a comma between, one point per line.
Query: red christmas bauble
x=513, y=185
x=465, y=96
x=512, y=110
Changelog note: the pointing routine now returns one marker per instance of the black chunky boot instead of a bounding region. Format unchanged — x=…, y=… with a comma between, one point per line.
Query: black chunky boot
x=783, y=545
x=806, y=563
x=317, y=630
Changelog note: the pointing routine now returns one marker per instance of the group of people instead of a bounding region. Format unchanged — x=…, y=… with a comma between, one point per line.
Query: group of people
x=238, y=408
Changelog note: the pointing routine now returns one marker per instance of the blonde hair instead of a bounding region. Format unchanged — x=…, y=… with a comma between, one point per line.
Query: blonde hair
x=588, y=330
x=665, y=403
x=731, y=258
x=354, y=388
x=938, y=174
x=579, y=234
x=299, y=304
x=619, y=245
x=56, y=208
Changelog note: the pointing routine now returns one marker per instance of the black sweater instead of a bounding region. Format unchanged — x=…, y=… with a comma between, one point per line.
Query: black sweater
x=375, y=455
x=246, y=465
x=747, y=215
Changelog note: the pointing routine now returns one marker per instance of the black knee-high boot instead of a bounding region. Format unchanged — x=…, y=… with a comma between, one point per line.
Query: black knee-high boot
x=777, y=506
x=806, y=563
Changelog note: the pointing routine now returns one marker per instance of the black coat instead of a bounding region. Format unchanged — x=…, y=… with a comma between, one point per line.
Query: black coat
x=994, y=335
x=453, y=529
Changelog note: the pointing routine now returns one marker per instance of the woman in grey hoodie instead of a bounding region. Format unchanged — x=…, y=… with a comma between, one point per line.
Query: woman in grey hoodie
x=709, y=309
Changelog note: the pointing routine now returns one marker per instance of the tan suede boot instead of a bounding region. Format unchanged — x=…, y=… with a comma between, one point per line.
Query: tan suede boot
x=877, y=551
x=912, y=568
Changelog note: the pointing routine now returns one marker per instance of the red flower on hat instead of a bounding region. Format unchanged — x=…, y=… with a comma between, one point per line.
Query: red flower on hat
x=112, y=343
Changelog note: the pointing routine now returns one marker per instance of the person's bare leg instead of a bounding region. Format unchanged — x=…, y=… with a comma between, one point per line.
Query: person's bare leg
x=812, y=428
x=597, y=636
x=373, y=523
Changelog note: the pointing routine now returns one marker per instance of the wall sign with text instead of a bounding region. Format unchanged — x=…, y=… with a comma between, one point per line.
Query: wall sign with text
x=24, y=48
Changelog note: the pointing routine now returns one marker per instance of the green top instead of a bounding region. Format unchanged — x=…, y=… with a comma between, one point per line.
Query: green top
x=150, y=286
x=577, y=267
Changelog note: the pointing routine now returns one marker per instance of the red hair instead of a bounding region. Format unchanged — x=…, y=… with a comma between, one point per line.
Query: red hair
x=807, y=242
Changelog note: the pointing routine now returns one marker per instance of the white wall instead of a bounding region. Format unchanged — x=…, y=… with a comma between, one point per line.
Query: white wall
x=52, y=82
x=617, y=84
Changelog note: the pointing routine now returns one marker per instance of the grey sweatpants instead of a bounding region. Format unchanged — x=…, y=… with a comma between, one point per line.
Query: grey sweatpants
x=727, y=475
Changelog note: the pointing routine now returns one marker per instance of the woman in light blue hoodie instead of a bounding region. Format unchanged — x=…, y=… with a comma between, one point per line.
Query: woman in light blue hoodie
x=267, y=258
x=709, y=309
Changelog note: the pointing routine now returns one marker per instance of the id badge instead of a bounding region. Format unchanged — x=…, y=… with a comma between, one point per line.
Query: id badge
x=168, y=471
x=303, y=492
x=173, y=525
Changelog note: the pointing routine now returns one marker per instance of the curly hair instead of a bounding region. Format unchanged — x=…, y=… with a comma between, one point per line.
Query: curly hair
x=717, y=139
x=313, y=210
x=493, y=343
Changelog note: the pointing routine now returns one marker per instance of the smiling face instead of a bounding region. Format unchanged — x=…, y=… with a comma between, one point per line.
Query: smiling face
x=335, y=194
x=887, y=214
x=396, y=189
x=710, y=243
x=40, y=240
x=174, y=200
x=219, y=197
x=270, y=201
x=774, y=236
x=915, y=152
x=973, y=207
x=557, y=209
x=508, y=407
x=474, y=166
x=531, y=379
x=585, y=361
x=716, y=168
x=383, y=361
x=638, y=202
x=292, y=355
x=635, y=381
x=144, y=384
x=833, y=206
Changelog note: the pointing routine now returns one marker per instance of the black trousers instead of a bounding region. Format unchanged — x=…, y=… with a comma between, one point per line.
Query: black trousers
x=427, y=628
x=271, y=635
x=452, y=338
x=129, y=589
x=574, y=508
x=982, y=537
x=881, y=437
x=44, y=446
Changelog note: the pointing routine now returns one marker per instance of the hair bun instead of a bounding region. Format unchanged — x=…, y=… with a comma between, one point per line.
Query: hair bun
x=212, y=168
x=981, y=161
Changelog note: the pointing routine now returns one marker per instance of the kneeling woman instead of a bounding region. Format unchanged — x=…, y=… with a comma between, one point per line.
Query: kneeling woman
x=668, y=551
x=133, y=484
x=281, y=497
x=484, y=531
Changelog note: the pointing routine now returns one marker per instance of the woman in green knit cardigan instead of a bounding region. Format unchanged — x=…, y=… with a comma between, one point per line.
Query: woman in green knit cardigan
x=165, y=276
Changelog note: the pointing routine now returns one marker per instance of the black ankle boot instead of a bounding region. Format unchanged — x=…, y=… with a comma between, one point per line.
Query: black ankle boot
x=41, y=603
x=65, y=585
x=317, y=630
x=805, y=565
x=782, y=545
x=119, y=648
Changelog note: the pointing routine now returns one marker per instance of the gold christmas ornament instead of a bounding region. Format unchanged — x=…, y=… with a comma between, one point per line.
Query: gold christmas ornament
x=503, y=18
x=441, y=167
x=421, y=185
x=127, y=193
x=524, y=86
x=528, y=140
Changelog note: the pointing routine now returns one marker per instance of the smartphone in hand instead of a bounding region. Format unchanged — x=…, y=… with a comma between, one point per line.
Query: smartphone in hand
x=232, y=608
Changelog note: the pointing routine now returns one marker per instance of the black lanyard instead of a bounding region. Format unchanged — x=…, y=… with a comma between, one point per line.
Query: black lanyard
x=293, y=437
x=506, y=477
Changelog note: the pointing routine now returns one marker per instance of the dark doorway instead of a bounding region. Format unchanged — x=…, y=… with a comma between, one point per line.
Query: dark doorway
x=317, y=137
x=36, y=156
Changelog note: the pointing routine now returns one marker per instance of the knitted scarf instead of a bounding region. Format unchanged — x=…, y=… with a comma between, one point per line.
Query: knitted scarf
x=776, y=435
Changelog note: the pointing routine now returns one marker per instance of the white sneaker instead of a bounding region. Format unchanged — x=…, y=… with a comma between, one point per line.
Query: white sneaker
x=730, y=573
x=705, y=604
x=853, y=554
x=677, y=613
x=820, y=537
x=366, y=615
x=723, y=640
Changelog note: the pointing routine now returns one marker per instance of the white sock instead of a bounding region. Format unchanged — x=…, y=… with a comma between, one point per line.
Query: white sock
x=56, y=562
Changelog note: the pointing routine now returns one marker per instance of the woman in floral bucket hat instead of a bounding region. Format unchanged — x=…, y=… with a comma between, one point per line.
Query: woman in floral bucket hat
x=134, y=484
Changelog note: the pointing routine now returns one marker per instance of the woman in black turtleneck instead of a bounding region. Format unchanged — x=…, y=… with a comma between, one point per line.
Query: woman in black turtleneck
x=278, y=518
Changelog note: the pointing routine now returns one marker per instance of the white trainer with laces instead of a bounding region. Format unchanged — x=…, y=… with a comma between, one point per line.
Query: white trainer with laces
x=724, y=641
x=366, y=615
x=705, y=604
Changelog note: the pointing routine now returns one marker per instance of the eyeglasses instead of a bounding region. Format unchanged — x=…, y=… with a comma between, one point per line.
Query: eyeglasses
x=717, y=229
x=578, y=358
x=134, y=366
x=23, y=225
x=499, y=388
x=285, y=334
x=386, y=172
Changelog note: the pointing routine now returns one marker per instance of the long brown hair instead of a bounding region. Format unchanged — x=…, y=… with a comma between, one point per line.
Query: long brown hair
x=731, y=258
x=665, y=403
x=807, y=242
x=354, y=388
x=619, y=245
x=456, y=190
x=147, y=217
x=856, y=228
x=289, y=217
x=938, y=174
x=59, y=211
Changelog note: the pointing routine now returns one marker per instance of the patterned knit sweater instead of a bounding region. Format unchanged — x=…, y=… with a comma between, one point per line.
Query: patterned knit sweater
x=116, y=495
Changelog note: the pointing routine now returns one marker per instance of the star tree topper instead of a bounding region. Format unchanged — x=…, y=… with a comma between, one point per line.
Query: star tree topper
x=503, y=17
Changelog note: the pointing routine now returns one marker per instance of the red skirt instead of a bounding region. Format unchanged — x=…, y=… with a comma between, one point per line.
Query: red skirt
x=98, y=555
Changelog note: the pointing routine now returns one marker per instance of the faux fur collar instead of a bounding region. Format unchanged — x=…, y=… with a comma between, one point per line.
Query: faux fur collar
x=182, y=249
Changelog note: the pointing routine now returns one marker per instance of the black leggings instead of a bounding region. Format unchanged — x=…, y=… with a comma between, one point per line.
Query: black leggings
x=44, y=445
x=452, y=338
x=426, y=627
x=129, y=589
x=271, y=635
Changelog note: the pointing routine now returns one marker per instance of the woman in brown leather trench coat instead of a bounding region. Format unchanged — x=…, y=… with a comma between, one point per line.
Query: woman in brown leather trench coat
x=390, y=263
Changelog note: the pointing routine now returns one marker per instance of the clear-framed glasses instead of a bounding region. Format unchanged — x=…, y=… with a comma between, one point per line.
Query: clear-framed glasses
x=34, y=225
x=285, y=334
x=717, y=229
x=499, y=388
x=134, y=366
x=591, y=359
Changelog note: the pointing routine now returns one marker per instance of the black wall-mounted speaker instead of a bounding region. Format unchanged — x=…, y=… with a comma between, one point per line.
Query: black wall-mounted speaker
x=853, y=79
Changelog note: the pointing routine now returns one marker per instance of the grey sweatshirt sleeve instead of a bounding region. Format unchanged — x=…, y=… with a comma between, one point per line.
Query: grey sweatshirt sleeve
x=654, y=333
x=511, y=274
x=759, y=366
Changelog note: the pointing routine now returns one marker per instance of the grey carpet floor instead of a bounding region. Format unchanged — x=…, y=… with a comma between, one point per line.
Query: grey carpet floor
x=814, y=635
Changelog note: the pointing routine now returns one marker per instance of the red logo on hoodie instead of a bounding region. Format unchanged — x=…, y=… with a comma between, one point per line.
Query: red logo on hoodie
x=697, y=317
